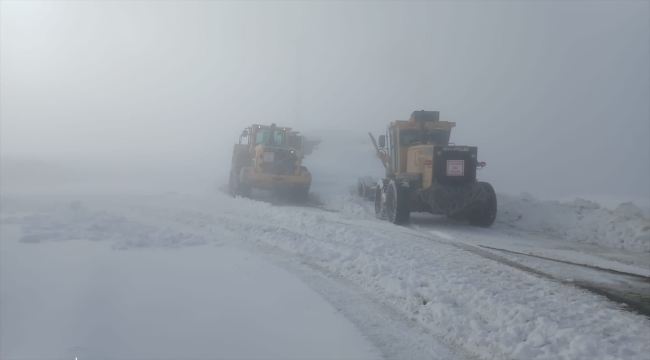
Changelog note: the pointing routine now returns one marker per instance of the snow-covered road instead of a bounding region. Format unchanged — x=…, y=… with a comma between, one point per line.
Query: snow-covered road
x=411, y=296
x=80, y=299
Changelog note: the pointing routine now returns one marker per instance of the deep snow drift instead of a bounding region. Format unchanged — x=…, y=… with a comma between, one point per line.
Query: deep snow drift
x=625, y=227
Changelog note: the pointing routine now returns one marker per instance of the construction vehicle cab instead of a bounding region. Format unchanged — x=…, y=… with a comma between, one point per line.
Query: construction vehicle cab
x=297, y=142
x=265, y=159
x=426, y=173
x=305, y=145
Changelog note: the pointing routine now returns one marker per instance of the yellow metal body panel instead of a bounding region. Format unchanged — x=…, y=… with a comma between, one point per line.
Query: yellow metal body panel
x=265, y=181
x=420, y=160
x=251, y=156
x=414, y=163
x=258, y=159
x=406, y=157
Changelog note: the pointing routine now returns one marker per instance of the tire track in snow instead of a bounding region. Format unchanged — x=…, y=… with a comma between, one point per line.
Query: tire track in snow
x=393, y=312
x=629, y=301
x=611, y=271
x=625, y=300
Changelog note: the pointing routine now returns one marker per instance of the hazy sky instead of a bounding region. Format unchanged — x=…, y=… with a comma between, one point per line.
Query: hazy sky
x=555, y=94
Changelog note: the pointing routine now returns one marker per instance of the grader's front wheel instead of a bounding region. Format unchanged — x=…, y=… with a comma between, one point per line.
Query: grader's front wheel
x=380, y=199
x=235, y=187
x=398, y=202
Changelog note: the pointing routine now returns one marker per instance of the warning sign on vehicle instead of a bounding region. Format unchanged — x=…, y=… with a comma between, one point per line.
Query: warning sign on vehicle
x=455, y=167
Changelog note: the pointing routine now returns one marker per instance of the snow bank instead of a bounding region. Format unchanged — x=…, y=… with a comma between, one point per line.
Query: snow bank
x=624, y=227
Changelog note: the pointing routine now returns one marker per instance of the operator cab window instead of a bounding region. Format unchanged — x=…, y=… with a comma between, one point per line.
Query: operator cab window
x=410, y=137
x=439, y=137
x=263, y=136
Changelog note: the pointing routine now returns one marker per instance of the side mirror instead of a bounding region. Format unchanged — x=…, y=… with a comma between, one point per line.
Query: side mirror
x=244, y=133
x=382, y=141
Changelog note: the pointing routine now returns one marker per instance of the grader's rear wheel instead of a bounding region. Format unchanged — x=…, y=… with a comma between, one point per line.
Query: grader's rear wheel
x=485, y=216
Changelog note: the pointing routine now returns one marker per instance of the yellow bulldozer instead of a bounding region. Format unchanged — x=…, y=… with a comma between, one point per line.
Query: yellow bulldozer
x=427, y=173
x=269, y=159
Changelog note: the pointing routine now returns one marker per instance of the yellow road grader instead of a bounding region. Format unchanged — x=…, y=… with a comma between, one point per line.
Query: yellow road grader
x=427, y=173
x=269, y=159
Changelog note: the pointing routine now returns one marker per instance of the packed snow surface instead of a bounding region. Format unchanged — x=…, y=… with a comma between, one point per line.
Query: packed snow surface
x=79, y=299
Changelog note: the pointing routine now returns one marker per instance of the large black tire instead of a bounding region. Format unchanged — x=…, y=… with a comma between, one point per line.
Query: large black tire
x=364, y=188
x=361, y=188
x=235, y=187
x=380, y=191
x=301, y=194
x=233, y=183
x=369, y=194
x=245, y=190
x=485, y=216
x=398, y=202
x=457, y=217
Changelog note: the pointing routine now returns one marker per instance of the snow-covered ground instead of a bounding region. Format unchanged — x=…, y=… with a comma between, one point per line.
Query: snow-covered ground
x=605, y=220
x=134, y=270
x=467, y=305
x=79, y=299
x=626, y=226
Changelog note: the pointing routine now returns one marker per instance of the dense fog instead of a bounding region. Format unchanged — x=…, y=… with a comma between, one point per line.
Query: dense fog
x=554, y=94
